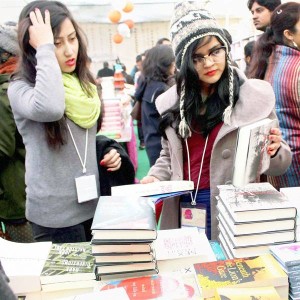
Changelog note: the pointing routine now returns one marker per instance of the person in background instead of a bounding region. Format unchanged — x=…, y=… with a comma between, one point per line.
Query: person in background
x=127, y=77
x=276, y=59
x=201, y=115
x=105, y=71
x=56, y=107
x=163, y=41
x=261, y=11
x=248, y=54
x=14, y=225
x=157, y=76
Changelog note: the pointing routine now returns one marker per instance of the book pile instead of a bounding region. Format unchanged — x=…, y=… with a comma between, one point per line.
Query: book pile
x=288, y=255
x=292, y=193
x=68, y=265
x=253, y=218
x=123, y=230
x=248, y=272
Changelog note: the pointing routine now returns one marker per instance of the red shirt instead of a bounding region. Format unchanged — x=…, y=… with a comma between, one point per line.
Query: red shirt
x=196, y=146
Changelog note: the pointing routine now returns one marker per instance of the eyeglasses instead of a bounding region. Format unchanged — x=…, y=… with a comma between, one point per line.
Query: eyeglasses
x=216, y=55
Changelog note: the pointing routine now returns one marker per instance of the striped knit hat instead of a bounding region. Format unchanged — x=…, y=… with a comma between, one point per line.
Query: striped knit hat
x=190, y=23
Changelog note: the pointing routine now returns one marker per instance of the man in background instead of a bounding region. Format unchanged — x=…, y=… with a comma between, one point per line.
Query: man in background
x=261, y=12
x=14, y=225
x=105, y=71
x=247, y=55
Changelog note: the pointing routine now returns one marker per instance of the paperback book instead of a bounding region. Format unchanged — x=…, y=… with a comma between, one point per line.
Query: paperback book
x=124, y=258
x=287, y=254
x=121, y=248
x=124, y=219
x=251, y=157
x=68, y=262
x=255, y=202
x=257, y=271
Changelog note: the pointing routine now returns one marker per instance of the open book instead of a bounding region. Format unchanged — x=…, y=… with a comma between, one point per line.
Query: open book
x=251, y=157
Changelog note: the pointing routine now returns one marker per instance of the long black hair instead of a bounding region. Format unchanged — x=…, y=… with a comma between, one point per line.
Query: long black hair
x=214, y=105
x=55, y=131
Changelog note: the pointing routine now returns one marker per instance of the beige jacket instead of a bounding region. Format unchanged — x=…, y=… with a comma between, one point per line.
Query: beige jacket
x=256, y=101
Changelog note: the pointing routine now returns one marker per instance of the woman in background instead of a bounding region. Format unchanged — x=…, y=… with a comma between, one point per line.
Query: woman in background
x=276, y=59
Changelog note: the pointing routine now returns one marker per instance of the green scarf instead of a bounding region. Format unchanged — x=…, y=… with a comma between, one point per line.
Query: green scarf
x=80, y=108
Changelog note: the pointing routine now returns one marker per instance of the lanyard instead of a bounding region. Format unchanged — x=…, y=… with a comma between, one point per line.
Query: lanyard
x=200, y=170
x=85, y=151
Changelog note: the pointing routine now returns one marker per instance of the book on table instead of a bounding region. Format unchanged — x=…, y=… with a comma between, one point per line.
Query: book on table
x=68, y=262
x=251, y=157
x=23, y=264
x=256, y=271
x=158, y=286
x=153, y=188
x=255, y=202
x=124, y=219
x=176, y=249
x=239, y=228
x=124, y=258
x=121, y=248
x=257, y=239
x=261, y=293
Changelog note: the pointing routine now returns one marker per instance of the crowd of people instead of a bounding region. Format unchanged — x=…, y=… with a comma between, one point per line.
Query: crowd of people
x=193, y=100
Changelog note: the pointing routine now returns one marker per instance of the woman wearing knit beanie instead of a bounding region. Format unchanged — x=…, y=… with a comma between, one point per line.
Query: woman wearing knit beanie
x=200, y=116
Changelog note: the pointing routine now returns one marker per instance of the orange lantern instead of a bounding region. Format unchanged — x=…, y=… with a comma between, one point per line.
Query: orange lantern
x=128, y=7
x=118, y=38
x=129, y=23
x=114, y=16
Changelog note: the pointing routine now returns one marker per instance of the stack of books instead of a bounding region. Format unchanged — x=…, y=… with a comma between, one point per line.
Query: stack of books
x=123, y=231
x=253, y=218
x=288, y=255
x=248, y=272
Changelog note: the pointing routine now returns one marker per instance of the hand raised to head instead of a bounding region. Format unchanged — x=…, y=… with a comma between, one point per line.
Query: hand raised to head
x=40, y=32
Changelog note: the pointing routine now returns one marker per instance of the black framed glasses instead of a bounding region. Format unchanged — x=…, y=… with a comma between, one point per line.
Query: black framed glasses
x=216, y=55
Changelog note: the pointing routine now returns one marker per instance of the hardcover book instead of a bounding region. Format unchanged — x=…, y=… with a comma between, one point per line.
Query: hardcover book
x=257, y=271
x=255, y=202
x=123, y=248
x=256, y=239
x=153, y=188
x=251, y=157
x=287, y=254
x=124, y=219
x=124, y=258
x=261, y=293
x=68, y=262
x=253, y=227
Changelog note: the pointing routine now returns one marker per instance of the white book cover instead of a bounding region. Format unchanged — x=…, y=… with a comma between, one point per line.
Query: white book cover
x=251, y=158
x=23, y=264
x=256, y=202
x=287, y=254
x=153, y=188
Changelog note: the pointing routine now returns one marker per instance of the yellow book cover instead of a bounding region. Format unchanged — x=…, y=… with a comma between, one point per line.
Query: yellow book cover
x=256, y=271
x=261, y=293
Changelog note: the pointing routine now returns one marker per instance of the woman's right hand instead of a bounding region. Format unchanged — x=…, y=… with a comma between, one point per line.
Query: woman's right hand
x=40, y=32
x=148, y=179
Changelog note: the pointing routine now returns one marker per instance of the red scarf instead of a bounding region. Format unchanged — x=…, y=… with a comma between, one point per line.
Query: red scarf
x=9, y=66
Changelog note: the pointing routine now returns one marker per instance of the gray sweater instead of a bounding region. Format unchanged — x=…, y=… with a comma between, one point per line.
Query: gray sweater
x=50, y=174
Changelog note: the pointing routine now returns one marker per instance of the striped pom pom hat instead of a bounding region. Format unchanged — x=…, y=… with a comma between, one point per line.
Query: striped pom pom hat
x=190, y=22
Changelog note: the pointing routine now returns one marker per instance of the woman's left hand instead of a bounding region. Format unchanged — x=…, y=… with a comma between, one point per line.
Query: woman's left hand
x=275, y=140
x=111, y=160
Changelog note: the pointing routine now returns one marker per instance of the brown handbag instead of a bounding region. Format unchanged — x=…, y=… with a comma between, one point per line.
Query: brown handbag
x=136, y=112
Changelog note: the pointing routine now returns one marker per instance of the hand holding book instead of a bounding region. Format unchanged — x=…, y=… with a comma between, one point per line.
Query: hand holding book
x=275, y=141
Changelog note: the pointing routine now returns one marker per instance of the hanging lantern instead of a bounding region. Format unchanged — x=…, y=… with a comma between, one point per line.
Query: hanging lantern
x=118, y=38
x=124, y=30
x=114, y=16
x=129, y=23
x=128, y=7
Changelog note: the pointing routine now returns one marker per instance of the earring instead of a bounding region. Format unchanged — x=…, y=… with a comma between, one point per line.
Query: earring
x=295, y=45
